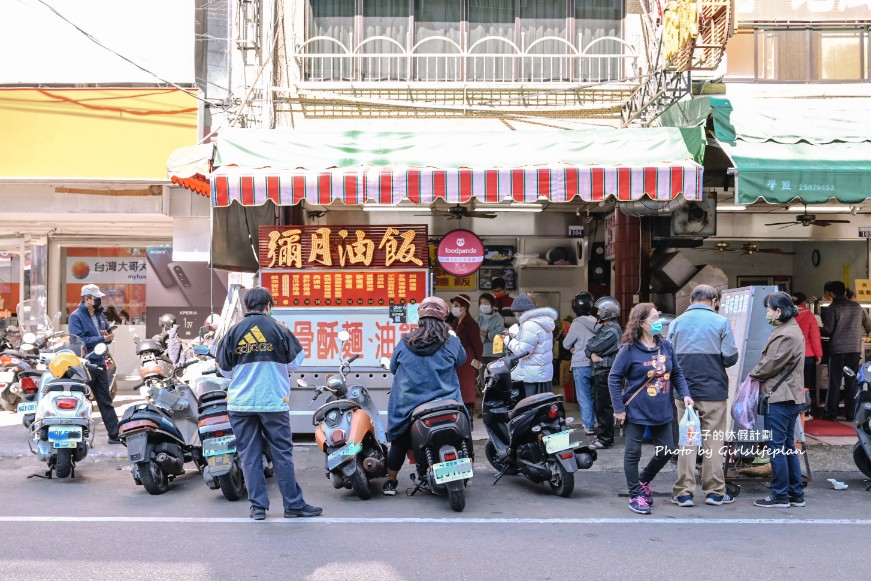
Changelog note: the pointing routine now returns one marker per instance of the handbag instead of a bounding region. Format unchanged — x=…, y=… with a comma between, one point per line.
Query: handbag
x=762, y=407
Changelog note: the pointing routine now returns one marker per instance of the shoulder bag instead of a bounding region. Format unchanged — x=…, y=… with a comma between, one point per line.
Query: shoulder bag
x=762, y=407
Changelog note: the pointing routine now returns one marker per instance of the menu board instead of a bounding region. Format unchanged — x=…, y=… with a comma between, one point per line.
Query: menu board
x=358, y=288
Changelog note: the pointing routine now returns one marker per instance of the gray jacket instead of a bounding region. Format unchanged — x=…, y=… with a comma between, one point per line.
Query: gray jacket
x=842, y=324
x=581, y=331
x=492, y=324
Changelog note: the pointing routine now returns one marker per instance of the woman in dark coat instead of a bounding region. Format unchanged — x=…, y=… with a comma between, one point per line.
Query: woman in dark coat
x=469, y=332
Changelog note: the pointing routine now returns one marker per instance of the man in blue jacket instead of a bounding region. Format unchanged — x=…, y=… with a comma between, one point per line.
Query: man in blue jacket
x=705, y=346
x=89, y=324
x=259, y=354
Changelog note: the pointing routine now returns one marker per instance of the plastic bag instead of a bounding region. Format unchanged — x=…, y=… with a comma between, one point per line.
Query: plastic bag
x=745, y=405
x=690, y=429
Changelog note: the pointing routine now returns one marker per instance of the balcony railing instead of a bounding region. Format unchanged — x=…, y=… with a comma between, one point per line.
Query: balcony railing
x=439, y=59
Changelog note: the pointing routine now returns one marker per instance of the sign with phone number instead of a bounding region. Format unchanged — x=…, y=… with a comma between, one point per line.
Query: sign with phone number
x=358, y=288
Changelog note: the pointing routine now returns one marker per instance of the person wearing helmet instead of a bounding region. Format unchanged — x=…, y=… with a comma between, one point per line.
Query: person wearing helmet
x=89, y=324
x=581, y=331
x=424, y=367
x=602, y=349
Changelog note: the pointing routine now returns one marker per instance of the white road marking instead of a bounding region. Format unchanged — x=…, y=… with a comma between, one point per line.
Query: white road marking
x=455, y=520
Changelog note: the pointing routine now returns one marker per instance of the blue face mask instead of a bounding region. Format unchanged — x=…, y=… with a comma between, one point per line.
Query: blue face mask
x=655, y=328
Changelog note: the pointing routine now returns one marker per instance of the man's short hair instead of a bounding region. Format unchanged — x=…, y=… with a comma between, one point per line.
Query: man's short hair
x=497, y=282
x=836, y=287
x=704, y=292
x=257, y=299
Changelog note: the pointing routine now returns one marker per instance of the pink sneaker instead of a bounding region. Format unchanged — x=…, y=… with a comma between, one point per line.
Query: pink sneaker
x=639, y=505
x=646, y=492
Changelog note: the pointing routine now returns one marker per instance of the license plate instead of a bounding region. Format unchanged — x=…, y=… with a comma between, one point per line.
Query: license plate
x=28, y=407
x=7, y=376
x=558, y=442
x=220, y=462
x=219, y=446
x=137, y=446
x=458, y=469
x=61, y=434
x=337, y=457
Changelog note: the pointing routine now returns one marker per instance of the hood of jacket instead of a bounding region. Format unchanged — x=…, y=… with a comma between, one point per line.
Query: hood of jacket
x=545, y=317
x=424, y=348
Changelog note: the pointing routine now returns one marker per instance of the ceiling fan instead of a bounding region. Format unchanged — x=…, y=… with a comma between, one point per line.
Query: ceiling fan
x=806, y=219
x=748, y=248
x=459, y=212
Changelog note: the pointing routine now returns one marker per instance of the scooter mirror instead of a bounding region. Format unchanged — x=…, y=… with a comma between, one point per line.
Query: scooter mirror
x=385, y=362
x=344, y=336
x=29, y=338
x=26, y=347
x=301, y=383
x=100, y=349
x=201, y=349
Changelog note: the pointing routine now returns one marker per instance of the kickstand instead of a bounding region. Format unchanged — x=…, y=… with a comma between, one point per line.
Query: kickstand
x=46, y=475
x=500, y=475
x=418, y=485
x=868, y=486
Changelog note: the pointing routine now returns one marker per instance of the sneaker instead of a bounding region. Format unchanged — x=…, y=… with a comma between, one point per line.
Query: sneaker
x=639, y=505
x=599, y=445
x=389, y=488
x=646, y=492
x=769, y=502
x=718, y=499
x=797, y=501
x=684, y=500
x=589, y=432
x=306, y=511
x=114, y=441
x=258, y=513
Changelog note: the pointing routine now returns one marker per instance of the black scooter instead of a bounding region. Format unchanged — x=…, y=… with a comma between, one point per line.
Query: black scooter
x=529, y=436
x=862, y=448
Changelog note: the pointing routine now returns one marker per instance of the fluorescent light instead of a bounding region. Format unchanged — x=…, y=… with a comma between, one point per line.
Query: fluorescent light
x=730, y=208
x=821, y=209
x=373, y=208
x=517, y=207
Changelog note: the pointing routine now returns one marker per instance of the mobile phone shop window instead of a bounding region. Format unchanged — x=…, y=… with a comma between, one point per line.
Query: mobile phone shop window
x=120, y=272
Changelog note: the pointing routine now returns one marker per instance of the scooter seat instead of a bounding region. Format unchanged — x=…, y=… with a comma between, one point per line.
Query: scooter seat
x=436, y=406
x=213, y=396
x=533, y=401
x=342, y=405
x=66, y=385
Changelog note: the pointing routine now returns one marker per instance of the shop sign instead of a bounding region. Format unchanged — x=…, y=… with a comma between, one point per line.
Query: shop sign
x=372, y=336
x=863, y=289
x=460, y=253
x=864, y=232
x=343, y=247
x=610, y=235
x=802, y=10
x=345, y=288
x=449, y=282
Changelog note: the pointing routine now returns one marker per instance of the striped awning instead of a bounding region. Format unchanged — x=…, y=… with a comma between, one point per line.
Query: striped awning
x=390, y=185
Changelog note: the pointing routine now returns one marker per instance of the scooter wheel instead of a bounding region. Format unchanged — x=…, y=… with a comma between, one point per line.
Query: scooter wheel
x=360, y=482
x=64, y=466
x=495, y=462
x=562, y=482
x=861, y=459
x=153, y=478
x=457, y=500
x=233, y=483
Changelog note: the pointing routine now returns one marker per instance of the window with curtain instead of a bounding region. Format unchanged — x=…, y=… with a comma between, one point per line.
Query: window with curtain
x=783, y=55
x=389, y=19
x=333, y=19
x=492, y=20
x=540, y=19
x=438, y=20
x=837, y=55
x=595, y=20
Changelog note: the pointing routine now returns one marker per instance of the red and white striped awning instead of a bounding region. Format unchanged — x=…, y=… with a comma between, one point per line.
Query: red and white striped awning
x=384, y=185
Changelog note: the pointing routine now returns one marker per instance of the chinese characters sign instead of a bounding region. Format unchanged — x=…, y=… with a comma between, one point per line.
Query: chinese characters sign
x=340, y=247
x=445, y=281
x=460, y=253
x=346, y=288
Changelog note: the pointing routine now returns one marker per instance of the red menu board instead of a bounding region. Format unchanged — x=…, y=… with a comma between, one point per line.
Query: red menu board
x=345, y=288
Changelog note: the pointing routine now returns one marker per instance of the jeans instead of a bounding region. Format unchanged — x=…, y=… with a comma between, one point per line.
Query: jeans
x=100, y=388
x=785, y=467
x=604, y=409
x=251, y=428
x=583, y=382
x=664, y=448
x=837, y=362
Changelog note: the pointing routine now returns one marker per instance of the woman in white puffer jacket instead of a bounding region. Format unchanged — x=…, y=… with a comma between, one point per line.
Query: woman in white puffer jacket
x=532, y=339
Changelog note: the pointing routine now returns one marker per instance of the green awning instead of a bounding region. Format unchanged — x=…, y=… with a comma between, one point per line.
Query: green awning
x=810, y=150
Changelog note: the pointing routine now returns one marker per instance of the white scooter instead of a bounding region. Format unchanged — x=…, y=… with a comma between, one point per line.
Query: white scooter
x=63, y=430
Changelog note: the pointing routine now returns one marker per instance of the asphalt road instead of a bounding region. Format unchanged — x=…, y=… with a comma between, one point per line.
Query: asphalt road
x=100, y=525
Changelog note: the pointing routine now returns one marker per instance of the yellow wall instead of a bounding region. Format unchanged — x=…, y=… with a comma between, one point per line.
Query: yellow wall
x=93, y=133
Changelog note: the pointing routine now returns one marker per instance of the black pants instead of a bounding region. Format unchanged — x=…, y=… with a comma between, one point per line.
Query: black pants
x=398, y=449
x=664, y=449
x=810, y=373
x=100, y=388
x=604, y=409
x=837, y=362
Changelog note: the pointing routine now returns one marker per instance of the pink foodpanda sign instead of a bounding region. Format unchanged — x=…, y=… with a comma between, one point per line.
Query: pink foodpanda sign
x=460, y=253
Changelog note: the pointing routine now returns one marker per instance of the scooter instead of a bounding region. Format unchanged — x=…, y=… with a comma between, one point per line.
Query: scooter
x=349, y=431
x=862, y=448
x=17, y=384
x=441, y=441
x=161, y=435
x=63, y=431
x=529, y=436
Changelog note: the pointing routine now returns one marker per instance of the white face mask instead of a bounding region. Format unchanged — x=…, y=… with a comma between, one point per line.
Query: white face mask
x=486, y=309
x=456, y=311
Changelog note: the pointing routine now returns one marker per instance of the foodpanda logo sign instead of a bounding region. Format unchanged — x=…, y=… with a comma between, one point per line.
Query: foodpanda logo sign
x=460, y=253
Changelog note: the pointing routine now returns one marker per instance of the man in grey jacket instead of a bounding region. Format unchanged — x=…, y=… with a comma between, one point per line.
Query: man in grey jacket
x=842, y=324
x=705, y=347
x=581, y=331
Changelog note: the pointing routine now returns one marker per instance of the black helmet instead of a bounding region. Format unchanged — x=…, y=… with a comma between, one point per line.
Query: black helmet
x=607, y=308
x=582, y=304
x=166, y=321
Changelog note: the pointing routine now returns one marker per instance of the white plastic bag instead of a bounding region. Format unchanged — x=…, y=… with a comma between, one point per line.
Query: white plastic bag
x=690, y=429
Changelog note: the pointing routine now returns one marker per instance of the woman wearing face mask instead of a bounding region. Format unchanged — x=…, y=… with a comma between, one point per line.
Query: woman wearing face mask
x=781, y=377
x=490, y=323
x=640, y=382
x=470, y=337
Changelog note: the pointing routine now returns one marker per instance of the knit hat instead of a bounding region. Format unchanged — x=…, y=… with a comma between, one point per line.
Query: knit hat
x=463, y=299
x=434, y=307
x=522, y=303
